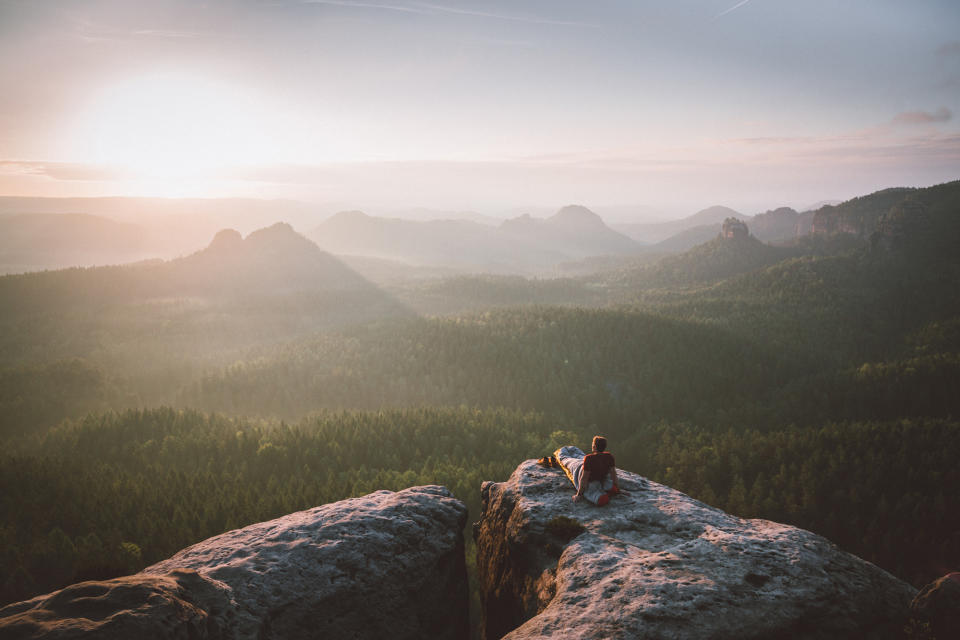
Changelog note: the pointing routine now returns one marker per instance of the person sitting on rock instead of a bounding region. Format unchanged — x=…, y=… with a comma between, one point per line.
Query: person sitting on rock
x=594, y=476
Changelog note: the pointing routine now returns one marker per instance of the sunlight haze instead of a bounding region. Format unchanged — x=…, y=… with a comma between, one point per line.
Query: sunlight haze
x=479, y=105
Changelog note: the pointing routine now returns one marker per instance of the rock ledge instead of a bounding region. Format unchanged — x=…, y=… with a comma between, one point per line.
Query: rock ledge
x=656, y=563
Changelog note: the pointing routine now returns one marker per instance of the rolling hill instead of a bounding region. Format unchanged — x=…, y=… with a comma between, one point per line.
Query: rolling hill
x=271, y=286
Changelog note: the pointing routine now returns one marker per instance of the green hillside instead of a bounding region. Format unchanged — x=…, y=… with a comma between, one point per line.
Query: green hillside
x=710, y=262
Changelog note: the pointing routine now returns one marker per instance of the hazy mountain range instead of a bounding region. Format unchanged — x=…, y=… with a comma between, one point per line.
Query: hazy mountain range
x=776, y=225
x=53, y=233
x=520, y=245
x=37, y=233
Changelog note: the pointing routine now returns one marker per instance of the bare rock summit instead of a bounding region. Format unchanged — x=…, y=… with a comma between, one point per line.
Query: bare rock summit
x=655, y=563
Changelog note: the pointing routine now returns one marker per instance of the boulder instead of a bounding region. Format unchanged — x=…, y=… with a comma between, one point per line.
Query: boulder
x=388, y=564
x=655, y=563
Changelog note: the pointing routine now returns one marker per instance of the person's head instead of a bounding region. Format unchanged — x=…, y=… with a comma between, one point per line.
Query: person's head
x=599, y=444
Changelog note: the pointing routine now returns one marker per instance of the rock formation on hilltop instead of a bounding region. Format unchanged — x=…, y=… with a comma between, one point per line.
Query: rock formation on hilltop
x=656, y=563
x=383, y=565
x=734, y=229
x=858, y=216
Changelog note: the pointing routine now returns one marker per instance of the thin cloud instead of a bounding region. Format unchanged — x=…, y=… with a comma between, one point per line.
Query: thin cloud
x=60, y=170
x=92, y=32
x=939, y=148
x=768, y=140
x=731, y=9
x=500, y=16
x=923, y=117
x=436, y=9
x=365, y=5
x=167, y=33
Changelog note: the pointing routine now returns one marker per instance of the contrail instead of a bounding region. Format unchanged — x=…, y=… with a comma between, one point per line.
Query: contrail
x=733, y=8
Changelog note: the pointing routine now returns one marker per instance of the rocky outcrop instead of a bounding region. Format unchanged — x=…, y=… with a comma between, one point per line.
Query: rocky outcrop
x=804, y=223
x=389, y=564
x=734, y=229
x=655, y=563
x=859, y=216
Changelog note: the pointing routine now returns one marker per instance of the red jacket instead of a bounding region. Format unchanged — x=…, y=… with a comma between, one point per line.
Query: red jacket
x=598, y=465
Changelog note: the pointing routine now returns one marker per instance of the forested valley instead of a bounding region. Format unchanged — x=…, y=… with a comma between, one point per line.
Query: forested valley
x=146, y=407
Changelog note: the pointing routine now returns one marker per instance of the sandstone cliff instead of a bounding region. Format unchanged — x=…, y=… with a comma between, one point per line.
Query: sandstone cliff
x=384, y=565
x=656, y=563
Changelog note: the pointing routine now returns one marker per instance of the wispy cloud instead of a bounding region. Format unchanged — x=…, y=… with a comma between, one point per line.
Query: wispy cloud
x=731, y=9
x=365, y=5
x=857, y=147
x=923, y=117
x=91, y=31
x=437, y=9
x=59, y=170
x=167, y=33
x=501, y=16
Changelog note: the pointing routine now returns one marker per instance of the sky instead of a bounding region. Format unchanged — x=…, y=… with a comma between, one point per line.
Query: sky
x=650, y=106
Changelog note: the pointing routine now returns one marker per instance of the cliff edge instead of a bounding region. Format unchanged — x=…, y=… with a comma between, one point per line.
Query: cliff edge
x=655, y=563
x=388, y=564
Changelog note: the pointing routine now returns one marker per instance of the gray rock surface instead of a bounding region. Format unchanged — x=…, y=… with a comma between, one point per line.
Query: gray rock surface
x=180, y=604
x=388, y=564
x=655, y=563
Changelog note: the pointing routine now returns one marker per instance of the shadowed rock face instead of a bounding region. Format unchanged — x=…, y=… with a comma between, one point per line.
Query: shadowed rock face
x=658, y=564
x=389, y=564
x=938, y=605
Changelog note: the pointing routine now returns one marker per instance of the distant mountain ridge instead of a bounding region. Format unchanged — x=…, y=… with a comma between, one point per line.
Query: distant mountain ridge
x=655, y=232
x=270, y=260
x=273, y=261
x=574, y=230
x=523, y=244
x=776, y=225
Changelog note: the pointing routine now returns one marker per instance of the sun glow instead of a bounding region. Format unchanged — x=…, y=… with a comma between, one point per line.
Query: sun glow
x=174, y=130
